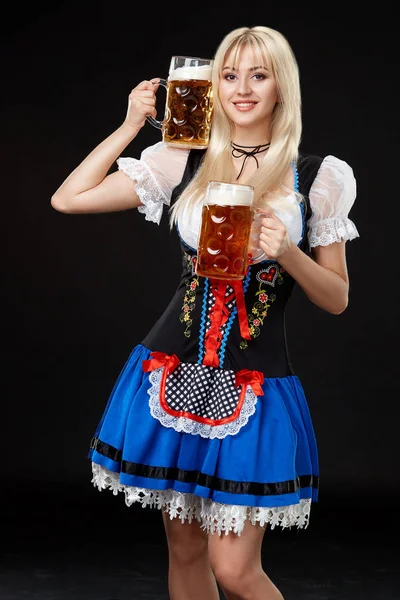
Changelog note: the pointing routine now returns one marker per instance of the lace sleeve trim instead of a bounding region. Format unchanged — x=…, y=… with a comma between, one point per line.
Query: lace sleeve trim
x=332, y=230
x=146, y=187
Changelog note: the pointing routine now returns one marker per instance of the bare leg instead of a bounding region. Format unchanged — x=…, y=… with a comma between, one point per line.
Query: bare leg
x=236, y=562
x=189, y=575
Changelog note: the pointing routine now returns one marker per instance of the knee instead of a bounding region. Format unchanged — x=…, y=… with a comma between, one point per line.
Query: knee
x=187, y=553
x=233, y=578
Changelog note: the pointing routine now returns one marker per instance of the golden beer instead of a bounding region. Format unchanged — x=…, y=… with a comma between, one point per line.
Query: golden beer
x=188, y=113
x=189, y=103
x=226, y=222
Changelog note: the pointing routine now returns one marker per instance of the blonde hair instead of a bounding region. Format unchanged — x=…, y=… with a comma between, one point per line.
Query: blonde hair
x=275, y=51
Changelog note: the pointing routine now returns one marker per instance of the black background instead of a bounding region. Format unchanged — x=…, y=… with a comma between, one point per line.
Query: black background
x=81, y=290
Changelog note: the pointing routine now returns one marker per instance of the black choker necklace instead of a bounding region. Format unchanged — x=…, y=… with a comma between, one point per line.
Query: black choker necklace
x=238, y=151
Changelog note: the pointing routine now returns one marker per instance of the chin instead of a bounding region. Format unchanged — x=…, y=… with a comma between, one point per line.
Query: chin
x=245, y=122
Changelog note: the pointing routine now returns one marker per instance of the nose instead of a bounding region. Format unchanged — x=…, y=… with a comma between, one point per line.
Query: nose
x=243, y=87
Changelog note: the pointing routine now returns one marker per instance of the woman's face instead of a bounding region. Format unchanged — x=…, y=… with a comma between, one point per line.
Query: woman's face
x=248, y=91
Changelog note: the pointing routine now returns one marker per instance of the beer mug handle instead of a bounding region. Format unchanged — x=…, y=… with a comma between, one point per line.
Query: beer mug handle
x=150, y=119
x=257, y=254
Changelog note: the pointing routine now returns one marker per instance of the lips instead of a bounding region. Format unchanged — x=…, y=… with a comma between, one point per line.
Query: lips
x=244, y=105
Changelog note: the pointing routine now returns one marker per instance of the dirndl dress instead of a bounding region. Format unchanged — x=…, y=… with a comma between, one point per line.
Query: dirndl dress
x=207, y=419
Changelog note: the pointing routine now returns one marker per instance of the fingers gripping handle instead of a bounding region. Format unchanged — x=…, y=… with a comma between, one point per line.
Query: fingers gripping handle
x=151, y=120
x=255, y=252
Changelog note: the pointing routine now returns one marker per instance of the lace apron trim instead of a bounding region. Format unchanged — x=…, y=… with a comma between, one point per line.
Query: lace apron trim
x=201, y=400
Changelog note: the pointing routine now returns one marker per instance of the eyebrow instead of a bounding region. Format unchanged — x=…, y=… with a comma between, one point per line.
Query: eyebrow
x=250, y=69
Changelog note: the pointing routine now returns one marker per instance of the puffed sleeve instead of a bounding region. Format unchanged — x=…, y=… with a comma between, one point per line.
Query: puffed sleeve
x=157, y=172
x=332, y=194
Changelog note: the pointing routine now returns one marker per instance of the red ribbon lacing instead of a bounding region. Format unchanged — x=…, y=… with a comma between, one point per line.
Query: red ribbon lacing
x=220, y=315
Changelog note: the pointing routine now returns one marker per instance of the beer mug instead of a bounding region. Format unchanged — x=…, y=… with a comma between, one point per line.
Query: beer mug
x=189, y=105
x=225, y=233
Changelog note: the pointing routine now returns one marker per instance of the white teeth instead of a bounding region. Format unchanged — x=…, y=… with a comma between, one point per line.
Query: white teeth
x=244, y=103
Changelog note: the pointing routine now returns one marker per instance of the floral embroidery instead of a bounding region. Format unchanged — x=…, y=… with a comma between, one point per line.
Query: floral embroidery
x=190, y=295
x=268, y=276
x=191, y=260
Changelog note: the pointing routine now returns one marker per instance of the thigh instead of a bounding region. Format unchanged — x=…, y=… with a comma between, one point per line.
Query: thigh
x=234, y=552
x=185, y=540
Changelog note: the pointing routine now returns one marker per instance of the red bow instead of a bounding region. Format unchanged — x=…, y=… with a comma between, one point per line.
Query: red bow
x=253, y=378
x=161, y=359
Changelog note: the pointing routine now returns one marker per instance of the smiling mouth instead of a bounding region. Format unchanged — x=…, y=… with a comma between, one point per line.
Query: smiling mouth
x=244, y=106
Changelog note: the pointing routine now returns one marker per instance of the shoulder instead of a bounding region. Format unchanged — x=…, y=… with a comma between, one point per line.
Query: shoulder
x=166, y=163
x=325, y=171
x=157, y=155
x=164, y=152
x=329, y=166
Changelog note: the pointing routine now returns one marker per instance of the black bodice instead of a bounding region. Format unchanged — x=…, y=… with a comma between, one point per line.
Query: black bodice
x=185, y=328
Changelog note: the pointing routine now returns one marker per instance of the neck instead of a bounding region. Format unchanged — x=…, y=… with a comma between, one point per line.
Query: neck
x=251, y=147
x=250, y=142
x=250, y=137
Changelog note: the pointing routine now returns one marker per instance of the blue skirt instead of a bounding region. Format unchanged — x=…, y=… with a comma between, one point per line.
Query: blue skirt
x=266, y=472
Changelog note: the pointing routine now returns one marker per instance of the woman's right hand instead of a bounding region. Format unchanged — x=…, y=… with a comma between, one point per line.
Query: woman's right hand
x=142, y=103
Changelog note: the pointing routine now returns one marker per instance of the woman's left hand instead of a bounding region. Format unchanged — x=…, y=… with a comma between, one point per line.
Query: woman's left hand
x=274, y=237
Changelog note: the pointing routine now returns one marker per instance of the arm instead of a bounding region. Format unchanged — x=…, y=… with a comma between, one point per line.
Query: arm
x=88, y=189
x=323, y=278
x=323, y=275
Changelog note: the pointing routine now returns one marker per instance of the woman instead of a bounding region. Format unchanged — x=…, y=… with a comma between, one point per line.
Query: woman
x=161, y=440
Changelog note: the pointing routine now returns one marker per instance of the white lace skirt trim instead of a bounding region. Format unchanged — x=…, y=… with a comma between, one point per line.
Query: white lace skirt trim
x=146, y=187
x=332, y=230
x=213, y=516
x=194, y=427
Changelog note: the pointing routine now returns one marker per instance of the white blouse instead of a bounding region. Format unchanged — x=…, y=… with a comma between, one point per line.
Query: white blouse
x=332, y=194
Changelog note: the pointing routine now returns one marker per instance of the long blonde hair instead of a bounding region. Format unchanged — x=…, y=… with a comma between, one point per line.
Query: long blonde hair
x=273, y=48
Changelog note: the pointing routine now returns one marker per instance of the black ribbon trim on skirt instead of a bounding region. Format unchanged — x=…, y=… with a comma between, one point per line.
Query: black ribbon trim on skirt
x=209, y=481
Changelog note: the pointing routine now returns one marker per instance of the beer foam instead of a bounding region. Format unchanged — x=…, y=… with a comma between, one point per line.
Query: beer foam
x=203, y=73
x=230, y=196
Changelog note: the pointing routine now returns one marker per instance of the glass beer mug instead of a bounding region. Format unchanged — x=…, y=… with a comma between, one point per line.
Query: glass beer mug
x=189, y=106
x=226, y=232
